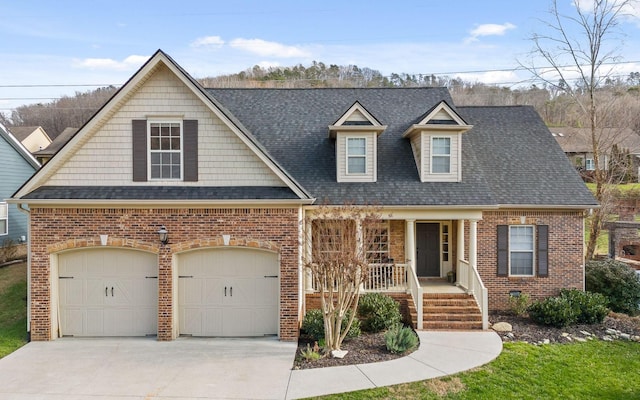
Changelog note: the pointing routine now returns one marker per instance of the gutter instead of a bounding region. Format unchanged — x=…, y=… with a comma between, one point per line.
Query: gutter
x=162, y=203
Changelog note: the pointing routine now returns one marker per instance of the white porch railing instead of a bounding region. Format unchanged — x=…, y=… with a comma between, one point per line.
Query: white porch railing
x=416, y=293
x=469, y=279
x=383, y=278
x=386, y=278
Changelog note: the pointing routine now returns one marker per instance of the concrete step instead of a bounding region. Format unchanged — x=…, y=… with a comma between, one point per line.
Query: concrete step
x=451, y=325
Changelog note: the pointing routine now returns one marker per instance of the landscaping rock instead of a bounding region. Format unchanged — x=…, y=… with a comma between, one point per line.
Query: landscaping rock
x=338, y=353
x=502, y=327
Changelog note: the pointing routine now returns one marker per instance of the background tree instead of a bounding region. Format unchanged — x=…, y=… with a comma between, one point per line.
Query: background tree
x=338, y=238
x=577, y=53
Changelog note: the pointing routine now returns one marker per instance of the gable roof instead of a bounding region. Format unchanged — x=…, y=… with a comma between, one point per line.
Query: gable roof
x=522, y=163
x=291, y=123
x=578, y=140
x=23, y=132
x=57, y=143
x=107, y=110
x=19, y=147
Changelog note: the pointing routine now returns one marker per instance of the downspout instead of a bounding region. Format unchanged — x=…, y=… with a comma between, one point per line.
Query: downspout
x=28, y=213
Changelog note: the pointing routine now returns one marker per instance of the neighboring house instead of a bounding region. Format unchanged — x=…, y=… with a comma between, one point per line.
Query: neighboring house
x=577, y=145
x=63, y=137
x=178, y=210
x=16, y=166
x=34, y=138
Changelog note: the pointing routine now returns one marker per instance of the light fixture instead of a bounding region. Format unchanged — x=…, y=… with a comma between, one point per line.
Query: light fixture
x=163, y=234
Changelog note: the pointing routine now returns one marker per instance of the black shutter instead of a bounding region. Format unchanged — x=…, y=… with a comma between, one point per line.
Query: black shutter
x=139, y=140
x=503, y=250
x=190, y=149
x=543, y=250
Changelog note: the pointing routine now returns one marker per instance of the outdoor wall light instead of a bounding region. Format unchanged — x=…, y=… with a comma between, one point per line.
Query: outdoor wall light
x=163, y=235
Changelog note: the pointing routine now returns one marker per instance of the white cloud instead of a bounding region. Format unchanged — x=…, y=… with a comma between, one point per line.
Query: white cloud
x=489, y=30
x=630, y=11
x=129, y=63
x=208, y=41
x=268, y=49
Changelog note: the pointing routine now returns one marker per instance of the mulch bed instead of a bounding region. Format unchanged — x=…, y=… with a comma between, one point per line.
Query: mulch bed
x=370, y=347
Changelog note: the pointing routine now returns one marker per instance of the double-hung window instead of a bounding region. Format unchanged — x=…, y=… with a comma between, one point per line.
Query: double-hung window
x=521, y=250
x=356, y=155
x=4, y=218
x=165, y=149
x=376, y=240
x=440, y=155
x=590, y=165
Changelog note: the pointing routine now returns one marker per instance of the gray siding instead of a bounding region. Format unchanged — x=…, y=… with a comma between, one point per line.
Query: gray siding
x=14, y=171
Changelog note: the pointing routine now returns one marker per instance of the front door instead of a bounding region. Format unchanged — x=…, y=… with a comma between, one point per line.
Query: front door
x=428, y=249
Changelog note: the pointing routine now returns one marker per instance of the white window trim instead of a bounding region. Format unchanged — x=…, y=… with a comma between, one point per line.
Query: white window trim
x=431, y=155
x=348, y=156
x=5, y=206
x=533, y=251
x=589, y=164
x=149, y=152
x=384, y=225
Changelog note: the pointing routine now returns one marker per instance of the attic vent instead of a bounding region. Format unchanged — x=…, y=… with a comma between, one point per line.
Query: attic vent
x=357, y=123
x=442, y=122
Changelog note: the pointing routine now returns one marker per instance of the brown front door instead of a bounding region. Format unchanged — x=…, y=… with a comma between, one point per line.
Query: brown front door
x=428, y=249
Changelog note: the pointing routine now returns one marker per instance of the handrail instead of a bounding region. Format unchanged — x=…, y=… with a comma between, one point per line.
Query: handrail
x=416, y=293
x=469, y=279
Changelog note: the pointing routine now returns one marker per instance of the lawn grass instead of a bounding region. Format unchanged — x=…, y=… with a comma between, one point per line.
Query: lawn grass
x=592, y=370
x=13, y=308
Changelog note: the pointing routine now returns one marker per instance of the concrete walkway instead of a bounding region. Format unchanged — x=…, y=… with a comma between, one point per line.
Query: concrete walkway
x=97, y=369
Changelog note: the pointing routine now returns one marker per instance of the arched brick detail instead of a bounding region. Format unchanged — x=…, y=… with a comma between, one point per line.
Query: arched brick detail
x=95, y=242
x=219, y=242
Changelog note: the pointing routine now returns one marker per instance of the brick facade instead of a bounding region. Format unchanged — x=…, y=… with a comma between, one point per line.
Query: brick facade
x=566, y=254
x=58, y=229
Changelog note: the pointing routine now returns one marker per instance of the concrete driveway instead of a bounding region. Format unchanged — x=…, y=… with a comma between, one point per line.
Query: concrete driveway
x=189, y=368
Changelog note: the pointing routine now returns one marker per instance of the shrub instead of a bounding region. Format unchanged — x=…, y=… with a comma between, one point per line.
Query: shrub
x=400, y=339
x=554, y=311
x=617, y=282
x=313, y=325
x=311, y=353
x=378, y=312
x=591, y=308
x=518, y=304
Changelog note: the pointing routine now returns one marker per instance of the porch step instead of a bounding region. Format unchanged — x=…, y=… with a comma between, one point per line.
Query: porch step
x=455, y=311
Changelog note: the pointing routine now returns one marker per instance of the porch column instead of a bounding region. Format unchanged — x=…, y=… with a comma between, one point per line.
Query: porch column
x=460, y=247
x=308, y=277
x=473, y=251
x=410, y=240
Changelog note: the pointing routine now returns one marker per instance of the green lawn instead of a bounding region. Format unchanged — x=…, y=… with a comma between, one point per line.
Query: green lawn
x=13, y=308
x=592, y=370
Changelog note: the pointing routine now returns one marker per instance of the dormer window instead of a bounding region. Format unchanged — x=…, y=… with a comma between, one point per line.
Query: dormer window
x=356, y=133
x=440, y=155
x=356, y=155
x=436, y=141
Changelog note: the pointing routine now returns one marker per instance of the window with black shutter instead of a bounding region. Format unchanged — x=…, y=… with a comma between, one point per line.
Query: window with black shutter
x=165, y=150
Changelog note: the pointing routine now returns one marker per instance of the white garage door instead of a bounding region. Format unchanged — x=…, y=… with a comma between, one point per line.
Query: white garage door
x=228, y=292
x=108, y=292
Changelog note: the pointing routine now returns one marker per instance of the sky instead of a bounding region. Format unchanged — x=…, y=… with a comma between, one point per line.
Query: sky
x=53, y=48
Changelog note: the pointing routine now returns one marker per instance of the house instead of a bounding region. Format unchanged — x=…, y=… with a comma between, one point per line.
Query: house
x=34, y=138
x=577, y=145
x=16, y=166
x=178, y=210
x=63, y=137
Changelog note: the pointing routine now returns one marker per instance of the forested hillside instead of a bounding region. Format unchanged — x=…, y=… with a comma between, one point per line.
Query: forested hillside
x=620, y=98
